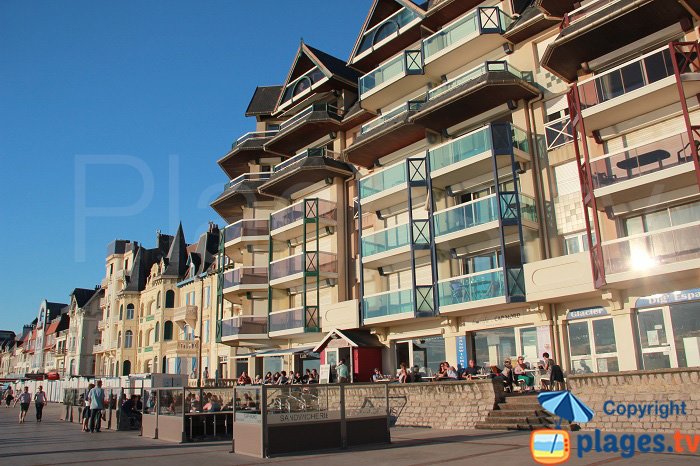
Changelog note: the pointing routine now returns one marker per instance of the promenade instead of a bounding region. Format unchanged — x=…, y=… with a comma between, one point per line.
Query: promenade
x=55, y=442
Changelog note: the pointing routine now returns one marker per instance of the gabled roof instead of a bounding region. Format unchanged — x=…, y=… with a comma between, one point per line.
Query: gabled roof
x=333, y=68
x=380, y=10
x=82, y=295
x=355, y=338
x=264, y=100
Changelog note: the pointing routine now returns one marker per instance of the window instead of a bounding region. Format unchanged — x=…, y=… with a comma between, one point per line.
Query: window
x=168, y=331
x=384, y=31
x=158, y=301
x=119, y=339
x=575, y=243
x=481, y=262
x=592, y=346
x=169, y=299
x=126, y=265
x=111, y=269
x=128, y=339
x=130, y=311
x=207, y=297
x=121, y=312
x=426, y=353
x=206, y=331
x=665, y=218
x=156, y=336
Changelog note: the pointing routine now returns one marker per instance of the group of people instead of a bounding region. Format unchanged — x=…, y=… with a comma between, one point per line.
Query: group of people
x=94, y=400
x=25, y=400
x=210, y=402
x=280, y=378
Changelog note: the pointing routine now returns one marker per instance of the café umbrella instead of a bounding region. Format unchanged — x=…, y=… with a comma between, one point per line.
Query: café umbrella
x=565, y=405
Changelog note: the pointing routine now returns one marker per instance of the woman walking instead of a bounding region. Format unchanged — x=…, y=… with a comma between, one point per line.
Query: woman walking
x=25, y=398
x=39, y=402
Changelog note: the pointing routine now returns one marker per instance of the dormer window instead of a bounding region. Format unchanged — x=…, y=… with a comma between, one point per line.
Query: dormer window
x=302, y=84
x=386, y=29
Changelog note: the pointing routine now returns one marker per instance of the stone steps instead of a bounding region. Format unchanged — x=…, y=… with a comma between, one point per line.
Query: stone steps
x=520, y=412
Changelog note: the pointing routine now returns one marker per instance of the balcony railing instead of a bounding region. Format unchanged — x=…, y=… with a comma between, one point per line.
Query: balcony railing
x=479, y=286
x=311, y=262
x=646, y=251
x=558, y=132
x=302, y=84
x=305, y=209
x=390, y=115
x=641, y=160
x=243, y=325
x=406, y=63
x=245, y=276
x=247, y=177
x=383, y=180
x=377, y=35
x=476, y=73
x=297, y=318
x=386, y=240
x=482, y=211
x=645, y=70
x=243, y=228
x=253, y=135
x=469, y=145
x=317, y=152
x=388, y=304
x=484, y=20
x=318, y=106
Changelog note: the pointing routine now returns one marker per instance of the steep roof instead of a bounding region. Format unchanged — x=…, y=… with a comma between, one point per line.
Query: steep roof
x=335, y=65
x=176, y=260
x=54, y=310
x=137, y=278
x=82, y=295
x=264, y=100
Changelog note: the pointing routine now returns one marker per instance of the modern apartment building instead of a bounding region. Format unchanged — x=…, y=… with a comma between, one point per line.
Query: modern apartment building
x=480, y=180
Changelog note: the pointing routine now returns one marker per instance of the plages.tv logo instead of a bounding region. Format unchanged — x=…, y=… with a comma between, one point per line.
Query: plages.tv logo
x=553, y=446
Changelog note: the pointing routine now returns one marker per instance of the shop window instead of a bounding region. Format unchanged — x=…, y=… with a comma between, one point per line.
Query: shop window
x=425, y=353
x=669, y=337
x=272, y=364
x=592, y=346
x=492, y=347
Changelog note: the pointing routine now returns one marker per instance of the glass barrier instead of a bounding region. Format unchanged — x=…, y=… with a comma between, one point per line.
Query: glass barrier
x=387, y=304
x=253, y=227
x=170, y=401
x=247, y=404
x=383, y=180
x=385, y=240
x=472, y=287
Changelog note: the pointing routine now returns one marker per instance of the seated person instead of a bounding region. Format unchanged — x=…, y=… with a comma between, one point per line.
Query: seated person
x=452, y=373
x=297, y=379
x=244, y=379
x=554, y=374
x=521, y=374
x=416, y=375
x=508, y=374
x=442, y=372
x=377, y=376
x=403, y=374
x=313, y=378
x=268, y=378
x=494, y=371
x=258, y=380
x=283, y=379
x=471, y=370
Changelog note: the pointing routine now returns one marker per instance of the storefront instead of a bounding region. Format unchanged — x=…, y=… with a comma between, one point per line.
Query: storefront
x=669, y=330
x=424, y=353
x=592, y=341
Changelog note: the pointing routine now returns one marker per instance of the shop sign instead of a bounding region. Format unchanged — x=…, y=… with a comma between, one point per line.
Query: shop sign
x=669, y=298
x=461, y=351
x=498, y=319
x=305, y=417
x=586, y=313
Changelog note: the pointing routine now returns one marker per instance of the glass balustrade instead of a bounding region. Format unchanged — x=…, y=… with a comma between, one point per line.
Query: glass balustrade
x=385, y=240
x=388, y=304
x=383, y=180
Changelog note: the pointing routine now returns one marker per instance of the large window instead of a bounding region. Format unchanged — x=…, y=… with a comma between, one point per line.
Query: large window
x=130, y=311
x=426, y=353
x=128, y=339
x=272, y=364
x=169, y=299
x=670, y=336
x=652, y=221
x=492, y=347
x=592, y=346
x=168, y=331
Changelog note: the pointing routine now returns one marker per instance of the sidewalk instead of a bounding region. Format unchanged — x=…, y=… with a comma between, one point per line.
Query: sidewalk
x=55, y=442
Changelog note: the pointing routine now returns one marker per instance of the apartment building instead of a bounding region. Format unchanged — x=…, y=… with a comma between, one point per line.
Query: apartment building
x=479, y=180
x=82, y=335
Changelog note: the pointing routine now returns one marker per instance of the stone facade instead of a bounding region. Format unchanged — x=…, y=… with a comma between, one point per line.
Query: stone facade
x=640, y=387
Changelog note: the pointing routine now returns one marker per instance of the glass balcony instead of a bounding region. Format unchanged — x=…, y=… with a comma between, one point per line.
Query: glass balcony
x=407, y=63
x=585, y=11
x=317, y=152
x=480, y=21
x=390, y=115
x=626, y=78
x=646, y=252
x=376, y=36
x=244, y=325
x=246, y=228
x=641, y=160
x=313, y=262
x=479, y=71
x=247, y=177
x=386, y=179
x=253, y=136
x=479, y=286
x=460, y=149
x=386, y=240
x=242, y=276
x=482, y=211
x=306, y=209
x=306, y=112
x=387, y=304
x=300, y=318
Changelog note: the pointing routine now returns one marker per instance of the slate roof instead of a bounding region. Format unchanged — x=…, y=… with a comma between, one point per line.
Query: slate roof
x=335, y=65
x=82, y=295
x=176, y=260
x=264, y=100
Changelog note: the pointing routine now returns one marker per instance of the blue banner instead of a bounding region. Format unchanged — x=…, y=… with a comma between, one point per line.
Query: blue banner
x=669, y=298
x=462, y=356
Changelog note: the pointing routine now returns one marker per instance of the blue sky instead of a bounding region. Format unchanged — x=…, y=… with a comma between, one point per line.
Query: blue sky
x=142, y=97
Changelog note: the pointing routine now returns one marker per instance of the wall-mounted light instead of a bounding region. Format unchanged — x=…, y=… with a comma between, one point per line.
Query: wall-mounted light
x=508, y=48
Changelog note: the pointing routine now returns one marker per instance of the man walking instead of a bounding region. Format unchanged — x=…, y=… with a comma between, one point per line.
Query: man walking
x=25, y=398
x=40, y=401
x=343, y=373
x=96, y=397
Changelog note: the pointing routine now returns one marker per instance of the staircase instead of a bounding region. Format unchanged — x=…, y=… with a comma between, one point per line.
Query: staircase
x=520, y=412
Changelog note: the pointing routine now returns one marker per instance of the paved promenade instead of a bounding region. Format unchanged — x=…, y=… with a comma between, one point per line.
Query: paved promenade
x=54, y=442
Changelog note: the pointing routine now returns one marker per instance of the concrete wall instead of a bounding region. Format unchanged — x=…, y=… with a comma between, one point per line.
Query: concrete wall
x=642, y=388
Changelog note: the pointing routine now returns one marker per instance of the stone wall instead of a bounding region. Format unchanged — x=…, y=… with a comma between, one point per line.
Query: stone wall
x=643, y=388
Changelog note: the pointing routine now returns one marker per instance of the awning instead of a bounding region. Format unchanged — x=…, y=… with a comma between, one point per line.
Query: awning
x=279, y=352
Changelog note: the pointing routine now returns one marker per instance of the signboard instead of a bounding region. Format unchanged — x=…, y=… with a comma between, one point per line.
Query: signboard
x=669, y=298
x=303, y=417
x=586, y=313
x=544, y=341
x=324, y=374
x=462, y=356
x=251, y=418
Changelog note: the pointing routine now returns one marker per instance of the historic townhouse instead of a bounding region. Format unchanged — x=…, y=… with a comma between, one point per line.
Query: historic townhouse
x=480, y=180
x=85, y=311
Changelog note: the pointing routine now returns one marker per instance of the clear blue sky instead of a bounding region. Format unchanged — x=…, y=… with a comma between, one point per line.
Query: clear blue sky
x=141, y=96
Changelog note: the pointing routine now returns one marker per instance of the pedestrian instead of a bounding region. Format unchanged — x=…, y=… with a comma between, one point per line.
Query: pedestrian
x=40, y=401
x=206, y=373
x=342, y=370
x=96, y=397
x=86, y=408
x=9, y=395
x=25, y=398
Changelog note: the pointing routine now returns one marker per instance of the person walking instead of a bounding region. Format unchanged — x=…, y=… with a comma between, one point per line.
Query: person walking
x=9, y=395
x=343, y=373
x=86, y=408
x=40, y=401
x=96, y=397
x=25, y=398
